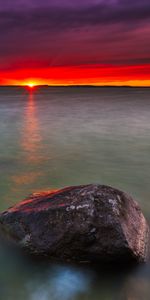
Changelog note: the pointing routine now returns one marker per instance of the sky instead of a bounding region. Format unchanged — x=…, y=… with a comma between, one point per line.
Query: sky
x=101, y=42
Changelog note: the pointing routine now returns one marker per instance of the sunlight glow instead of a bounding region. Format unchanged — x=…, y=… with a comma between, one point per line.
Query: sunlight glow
x=31, y=85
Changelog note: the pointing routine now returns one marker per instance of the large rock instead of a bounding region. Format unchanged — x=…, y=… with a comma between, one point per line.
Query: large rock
x=81, y=223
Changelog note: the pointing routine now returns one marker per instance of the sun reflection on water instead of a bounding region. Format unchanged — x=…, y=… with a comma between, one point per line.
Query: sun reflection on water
x=31, y=140
x=31, y=146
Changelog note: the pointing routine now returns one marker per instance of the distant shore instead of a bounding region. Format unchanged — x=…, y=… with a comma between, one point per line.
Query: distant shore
x=72, y=86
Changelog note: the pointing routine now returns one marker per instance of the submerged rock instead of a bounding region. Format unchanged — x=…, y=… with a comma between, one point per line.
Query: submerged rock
x=81, y=223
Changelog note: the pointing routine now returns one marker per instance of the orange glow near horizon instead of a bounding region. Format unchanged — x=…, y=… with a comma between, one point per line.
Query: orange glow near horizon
x=100, y=75
x=31, y=85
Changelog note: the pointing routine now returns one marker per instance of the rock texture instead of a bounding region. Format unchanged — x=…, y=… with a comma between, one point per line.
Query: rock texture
x=80, y=223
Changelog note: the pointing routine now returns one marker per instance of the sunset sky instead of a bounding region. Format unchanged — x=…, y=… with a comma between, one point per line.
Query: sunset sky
x=75, y=42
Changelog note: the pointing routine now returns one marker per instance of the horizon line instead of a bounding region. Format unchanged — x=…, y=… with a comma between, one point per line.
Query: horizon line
x=73, y=85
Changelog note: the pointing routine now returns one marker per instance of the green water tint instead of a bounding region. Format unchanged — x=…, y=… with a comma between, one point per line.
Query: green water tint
x=66, y=136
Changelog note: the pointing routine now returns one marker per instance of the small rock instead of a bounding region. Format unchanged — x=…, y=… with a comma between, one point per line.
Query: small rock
x=81, y=223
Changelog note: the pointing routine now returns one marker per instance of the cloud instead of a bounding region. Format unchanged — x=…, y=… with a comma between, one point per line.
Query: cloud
x=74, y=32
x=63, y=17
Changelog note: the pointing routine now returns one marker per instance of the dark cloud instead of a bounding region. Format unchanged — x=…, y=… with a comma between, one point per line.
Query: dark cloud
x=73, y=32
x=60, y=18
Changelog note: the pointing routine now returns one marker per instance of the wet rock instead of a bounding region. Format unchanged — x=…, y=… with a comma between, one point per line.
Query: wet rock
x=81, y=223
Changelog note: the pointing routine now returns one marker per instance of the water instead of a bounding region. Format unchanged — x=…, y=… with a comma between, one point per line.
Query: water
x=54, y=137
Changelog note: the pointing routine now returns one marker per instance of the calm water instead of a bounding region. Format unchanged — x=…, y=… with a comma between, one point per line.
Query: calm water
x=55, y=137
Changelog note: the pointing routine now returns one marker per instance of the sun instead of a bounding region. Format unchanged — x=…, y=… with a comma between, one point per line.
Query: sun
x=31, y=85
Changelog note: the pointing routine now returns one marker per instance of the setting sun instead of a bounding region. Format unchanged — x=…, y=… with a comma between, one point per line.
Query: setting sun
x=31, y=85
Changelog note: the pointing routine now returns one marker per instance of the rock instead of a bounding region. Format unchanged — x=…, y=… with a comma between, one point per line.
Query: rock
x=81, y=223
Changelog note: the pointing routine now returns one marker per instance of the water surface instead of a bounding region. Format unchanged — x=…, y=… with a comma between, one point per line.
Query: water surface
x=54, y=137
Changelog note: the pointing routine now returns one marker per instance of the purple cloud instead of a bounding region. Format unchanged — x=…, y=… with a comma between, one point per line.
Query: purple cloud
x=74, y=32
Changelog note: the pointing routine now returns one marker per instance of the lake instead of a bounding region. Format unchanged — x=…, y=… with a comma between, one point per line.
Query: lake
x=52, y=137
